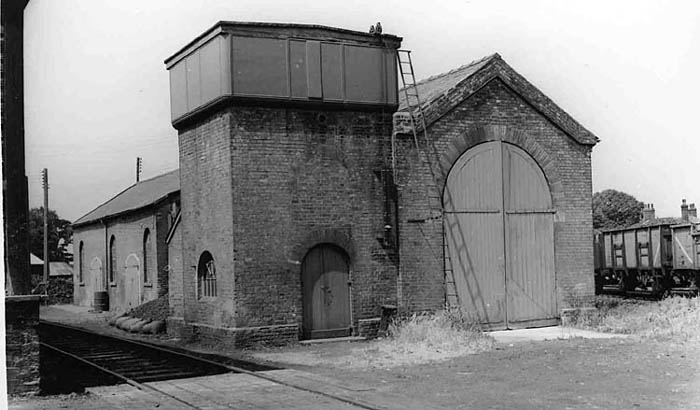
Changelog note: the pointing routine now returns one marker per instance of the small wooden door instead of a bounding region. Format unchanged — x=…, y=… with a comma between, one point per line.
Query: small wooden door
x=499, y=233
x=96, y=277
x=132, y=282
x=326, y=293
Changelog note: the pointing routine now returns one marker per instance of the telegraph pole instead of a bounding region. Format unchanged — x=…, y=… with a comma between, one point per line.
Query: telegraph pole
x=138, y=168
x=45, y=182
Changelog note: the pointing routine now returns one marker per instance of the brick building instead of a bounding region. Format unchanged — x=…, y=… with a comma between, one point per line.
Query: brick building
x=284, y=135
x=514, y=173
x=121, y=245
x=292, y=224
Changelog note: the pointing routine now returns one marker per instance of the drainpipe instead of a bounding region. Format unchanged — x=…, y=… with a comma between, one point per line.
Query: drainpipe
x=105, y=285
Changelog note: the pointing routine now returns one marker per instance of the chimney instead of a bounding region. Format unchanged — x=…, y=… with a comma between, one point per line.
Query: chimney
x=693, y=211
x=648, y=213
x=684, y=211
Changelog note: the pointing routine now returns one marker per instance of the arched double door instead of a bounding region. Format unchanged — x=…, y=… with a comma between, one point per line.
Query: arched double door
x=326, y=292
x=500, y=237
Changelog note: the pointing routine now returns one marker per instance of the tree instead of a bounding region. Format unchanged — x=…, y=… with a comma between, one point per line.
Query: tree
x=614, y=209
x=58, y=229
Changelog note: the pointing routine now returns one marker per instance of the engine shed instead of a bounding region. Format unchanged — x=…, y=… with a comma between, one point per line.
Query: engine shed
x=513, y=172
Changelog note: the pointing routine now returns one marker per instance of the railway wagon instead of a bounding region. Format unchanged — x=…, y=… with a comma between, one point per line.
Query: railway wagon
x=655, y=257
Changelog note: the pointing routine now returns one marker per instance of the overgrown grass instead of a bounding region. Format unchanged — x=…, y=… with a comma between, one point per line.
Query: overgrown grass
x=675, y=318
x=427, y=337
x=413, y=340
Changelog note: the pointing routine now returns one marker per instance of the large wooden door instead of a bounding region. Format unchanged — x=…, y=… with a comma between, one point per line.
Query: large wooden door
x=326, y=293
x=500, y=238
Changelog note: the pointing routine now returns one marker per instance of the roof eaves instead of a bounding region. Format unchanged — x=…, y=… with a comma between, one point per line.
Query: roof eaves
x=122, y=213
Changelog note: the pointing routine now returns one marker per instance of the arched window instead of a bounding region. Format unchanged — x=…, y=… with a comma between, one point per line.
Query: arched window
x=81, y=261
x=146, y=253
x=112, y=258
x=206, y=276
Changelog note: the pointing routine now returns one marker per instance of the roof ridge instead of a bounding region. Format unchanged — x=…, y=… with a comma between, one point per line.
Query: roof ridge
x=463, y=67
x=121, y=193
x=157, y=176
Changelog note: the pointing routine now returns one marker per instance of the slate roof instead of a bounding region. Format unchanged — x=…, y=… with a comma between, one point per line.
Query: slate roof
x=441, y=93
x=137, y=196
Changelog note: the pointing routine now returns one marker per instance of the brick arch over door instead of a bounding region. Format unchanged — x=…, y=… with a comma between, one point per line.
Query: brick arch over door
x=460, y=144
x=336, y=237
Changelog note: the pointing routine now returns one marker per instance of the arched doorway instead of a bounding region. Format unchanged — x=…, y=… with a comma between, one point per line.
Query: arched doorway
x=326, y=292
x=499, y=226
x=96, y=279
x=132, y=282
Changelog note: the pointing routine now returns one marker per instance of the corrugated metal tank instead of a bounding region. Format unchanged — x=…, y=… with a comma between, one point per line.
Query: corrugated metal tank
x=280, y=63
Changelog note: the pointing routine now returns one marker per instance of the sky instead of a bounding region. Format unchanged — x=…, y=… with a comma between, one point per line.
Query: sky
x=97, y=93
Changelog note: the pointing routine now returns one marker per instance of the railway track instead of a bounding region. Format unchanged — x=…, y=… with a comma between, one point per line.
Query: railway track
x=122, y=358
x=103, y=360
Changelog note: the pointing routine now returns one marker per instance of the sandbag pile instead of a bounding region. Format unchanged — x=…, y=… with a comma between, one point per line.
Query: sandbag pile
x=136, y=325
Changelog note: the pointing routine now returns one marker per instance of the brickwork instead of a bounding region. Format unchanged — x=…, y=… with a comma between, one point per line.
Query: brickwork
x=369, y=328
x=128, y=231
x=496, y=112
x=207, y=217
x=234, y=338
x=260, y=188
x=175, y=271
x=22, y=344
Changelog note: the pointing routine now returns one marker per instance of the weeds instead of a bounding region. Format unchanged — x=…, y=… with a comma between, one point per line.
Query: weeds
x=434, y=336
x=675, y=318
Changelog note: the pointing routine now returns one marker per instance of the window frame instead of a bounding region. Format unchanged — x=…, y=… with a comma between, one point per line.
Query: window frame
x=112, y=260
x=207, y=288
x=81, y=264
x=146, y=252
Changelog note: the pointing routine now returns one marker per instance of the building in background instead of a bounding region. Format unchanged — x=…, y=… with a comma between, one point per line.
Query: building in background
x=120, y=245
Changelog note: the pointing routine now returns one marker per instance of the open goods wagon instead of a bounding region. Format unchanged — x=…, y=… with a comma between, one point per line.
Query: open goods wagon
x=655, y=257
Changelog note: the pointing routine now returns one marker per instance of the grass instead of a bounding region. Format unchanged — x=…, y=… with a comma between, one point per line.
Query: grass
x=414, y=340
x=434, y=336
x=675, y=318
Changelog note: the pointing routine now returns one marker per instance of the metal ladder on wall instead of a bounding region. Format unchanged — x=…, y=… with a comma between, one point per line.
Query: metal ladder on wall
x=424, y=145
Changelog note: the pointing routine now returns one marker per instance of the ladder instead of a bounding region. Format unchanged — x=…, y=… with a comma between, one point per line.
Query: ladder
x=414, y=122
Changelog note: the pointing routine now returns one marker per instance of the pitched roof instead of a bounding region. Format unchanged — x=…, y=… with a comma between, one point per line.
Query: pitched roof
x=137, y=196
x=441, y=93
x=35, y=260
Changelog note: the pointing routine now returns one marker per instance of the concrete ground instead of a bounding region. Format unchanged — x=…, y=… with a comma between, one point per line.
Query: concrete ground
x=548, y=333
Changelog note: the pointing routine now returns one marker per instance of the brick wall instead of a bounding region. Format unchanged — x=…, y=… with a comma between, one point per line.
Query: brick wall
x=261, y=187
x=175, y=271
x=128, y=231
x=207, y=217
x=22, y=344
x=492, y=113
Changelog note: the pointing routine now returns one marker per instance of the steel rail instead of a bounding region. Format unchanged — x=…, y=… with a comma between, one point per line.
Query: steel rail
x=352, y=402
x=129, y=381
